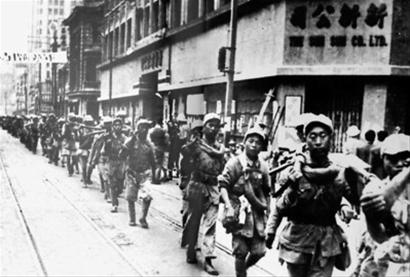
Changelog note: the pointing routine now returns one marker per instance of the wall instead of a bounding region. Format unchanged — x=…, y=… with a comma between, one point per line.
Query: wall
x=259, y=49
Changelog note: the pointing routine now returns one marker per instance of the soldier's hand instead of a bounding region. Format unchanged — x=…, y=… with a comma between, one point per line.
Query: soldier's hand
x=346, y=214
x=230, y=212
x=295, y=174
x=373, y=202
x=269, y=240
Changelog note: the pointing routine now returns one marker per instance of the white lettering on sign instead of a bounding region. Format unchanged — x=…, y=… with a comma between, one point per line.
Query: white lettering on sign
x=338, y=32
x=49, y=57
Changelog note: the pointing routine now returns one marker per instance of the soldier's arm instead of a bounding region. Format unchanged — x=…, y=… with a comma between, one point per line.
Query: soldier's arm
x=396, y=187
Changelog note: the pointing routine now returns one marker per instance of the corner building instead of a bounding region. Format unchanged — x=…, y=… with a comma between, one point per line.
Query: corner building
x=348, y=59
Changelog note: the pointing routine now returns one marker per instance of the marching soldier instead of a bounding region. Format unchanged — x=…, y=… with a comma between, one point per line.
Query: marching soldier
x=86, y=136
x=112, y=145
x=203, y=193
x=311, y=240
x=99, y=158
x=245, y=187
x=386, y=205
x=140, y=169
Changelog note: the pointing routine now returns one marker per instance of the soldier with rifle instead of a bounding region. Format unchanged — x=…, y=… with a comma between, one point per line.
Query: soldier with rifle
x=99, y=158
x=314, y=189
x=245, y=188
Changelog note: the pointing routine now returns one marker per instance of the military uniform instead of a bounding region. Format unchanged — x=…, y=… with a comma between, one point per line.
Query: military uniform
x=112, y=146
x=248, y=234
x=202, y=194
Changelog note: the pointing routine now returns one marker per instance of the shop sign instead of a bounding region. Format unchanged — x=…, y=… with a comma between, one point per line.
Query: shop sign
x=32, y=57
x=343, y=32
x=151, y=61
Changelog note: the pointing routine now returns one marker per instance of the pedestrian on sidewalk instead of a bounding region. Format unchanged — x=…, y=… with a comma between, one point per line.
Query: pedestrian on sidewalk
x=112, y=145
x=245, y=188
x=203, y=193
x=140, y=167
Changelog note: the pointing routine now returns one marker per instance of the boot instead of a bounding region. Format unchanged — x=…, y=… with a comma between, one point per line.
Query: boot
x=145, y=206
x=240, y=267
x=131, y=211
x=209, y=268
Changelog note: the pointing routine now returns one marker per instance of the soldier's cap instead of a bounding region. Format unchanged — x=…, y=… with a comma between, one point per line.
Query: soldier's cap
x=43, y=115
x=211, y=116
x=395, y=144
x=302, y=119
x=142, y=121
x=318, y=120
x=51, y=115
x=88, y=118
x=231, y=142
x=255, y=131
x=352, y=131
x=71, y=116
x=121, y=113
x=106, y=120
x=181, y=118
x=117, y=119
x=197, y=124
x=61, y=120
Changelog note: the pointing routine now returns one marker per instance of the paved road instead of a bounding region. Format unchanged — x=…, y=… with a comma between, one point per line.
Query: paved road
x=51, y=226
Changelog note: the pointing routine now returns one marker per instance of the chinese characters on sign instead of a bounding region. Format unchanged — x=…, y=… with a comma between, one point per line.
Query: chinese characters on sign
x=152, y=61
x=346, y=16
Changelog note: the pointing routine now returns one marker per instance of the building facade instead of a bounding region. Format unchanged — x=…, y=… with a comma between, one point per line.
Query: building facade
x=347, y=59
x=85, y=54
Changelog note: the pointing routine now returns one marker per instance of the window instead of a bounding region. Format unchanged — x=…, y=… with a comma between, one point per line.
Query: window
x=110, y=45
x=50, y=11
x=209, y=6
x=146, y=21
x=115, y=42
x=177, y=13
x=155, y=8
x=192, y=10
x=225, y=2
x=129, y=30
x=122, y=38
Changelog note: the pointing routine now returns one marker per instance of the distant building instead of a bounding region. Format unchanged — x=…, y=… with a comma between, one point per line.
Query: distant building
x=47, y=17
x=85, y=54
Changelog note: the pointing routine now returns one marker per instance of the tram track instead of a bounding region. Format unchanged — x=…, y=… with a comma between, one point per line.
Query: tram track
x=41, y=268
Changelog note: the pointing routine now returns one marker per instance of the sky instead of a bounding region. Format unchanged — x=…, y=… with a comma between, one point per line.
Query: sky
x=15, y=25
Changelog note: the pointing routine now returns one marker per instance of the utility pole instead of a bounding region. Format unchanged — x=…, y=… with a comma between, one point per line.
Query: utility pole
x=39, y=88
x=231, y=69
x=110, y=68
x=25, y=93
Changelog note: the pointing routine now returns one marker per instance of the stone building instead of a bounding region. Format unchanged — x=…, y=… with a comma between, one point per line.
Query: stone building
x=348, y=59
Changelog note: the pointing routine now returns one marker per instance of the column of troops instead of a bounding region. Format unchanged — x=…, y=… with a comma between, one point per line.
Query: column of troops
x=256, y=188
